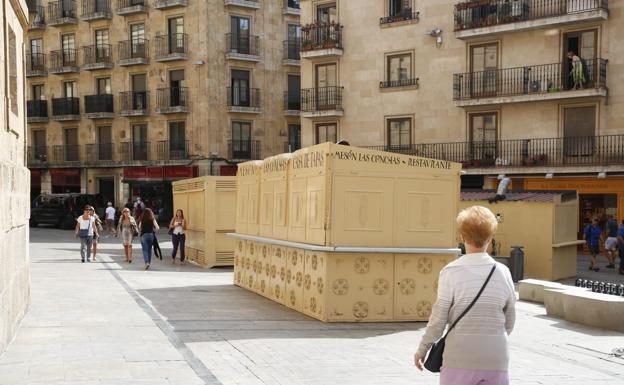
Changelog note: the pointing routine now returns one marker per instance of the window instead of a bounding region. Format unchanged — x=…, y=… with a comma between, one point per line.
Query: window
x=240, y=88
x=105, y=140
x=483, y=137
x=103, y=86
x=13, y=71
x=139, y=94
x=399, y=7
x=71, y=144
x=400, y=132
x=37, y=92
x=326, y=82
x=102, y=44
x=68, y=42
x=326, y=132
x=36, y=55
x=40, y=147
x=36, y=46
x=399, y=70
x=293, y=4
x=137, y=37
x=326, y=13
x=139, y=142
x=176, y=85
x=241, y=140
x=293, y=37
x=294, y=92
x=579, y=130
x=240, y=35
x=177, y=140
x=294, y=137
x=484, y=69
x=176, y=35
x=70, y=89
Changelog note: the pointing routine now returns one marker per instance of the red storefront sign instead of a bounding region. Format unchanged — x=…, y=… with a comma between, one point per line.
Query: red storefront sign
x=228, y=170
x=65, y=177
x=180, y=172
x=159, y=173
x=35, y=178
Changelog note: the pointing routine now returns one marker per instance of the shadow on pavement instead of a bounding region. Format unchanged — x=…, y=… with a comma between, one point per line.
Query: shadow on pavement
x=578, y=328
x=214, y=313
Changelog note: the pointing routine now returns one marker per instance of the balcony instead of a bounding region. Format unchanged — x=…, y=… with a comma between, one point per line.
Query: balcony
x=490, y=17
x=134, y=151
x=246, y=48
x=321, y=40
x=133, y=52
x=131, y=7
x=292, y=7
x=35, y=65
x=64, y=109
x=523, y=153
x=252, y=4
x=37, y=155
x=292, y=52
x=404, y=16
x=96, y=57
x=166, y=4
x=243, y=100
x=100, y=152
x=99, y=106
x=321, y=102
x=96, y=10
x=67, y=153
x=37, y=20
x=37, y=111
x=134, y=103
x=172, y=100
x=172, y=47
x=401, y=83
x=244, y=150
x=61, y=13
x=64, y=61
x=172, y=150
x=292, y=103
x=528, y=84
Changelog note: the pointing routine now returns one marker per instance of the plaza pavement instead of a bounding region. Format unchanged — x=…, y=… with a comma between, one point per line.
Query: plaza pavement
x=115, y=323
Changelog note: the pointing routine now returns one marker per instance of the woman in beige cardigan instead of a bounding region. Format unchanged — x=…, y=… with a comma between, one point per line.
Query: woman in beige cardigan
x=476, y=350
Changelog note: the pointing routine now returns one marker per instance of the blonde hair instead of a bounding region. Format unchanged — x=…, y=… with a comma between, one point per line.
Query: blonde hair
x=476, y=225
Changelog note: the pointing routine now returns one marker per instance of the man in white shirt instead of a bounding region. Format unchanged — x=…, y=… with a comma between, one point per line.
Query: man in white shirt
x=110, y=218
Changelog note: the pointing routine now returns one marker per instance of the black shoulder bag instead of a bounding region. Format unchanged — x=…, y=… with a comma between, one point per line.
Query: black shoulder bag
x=433, y=363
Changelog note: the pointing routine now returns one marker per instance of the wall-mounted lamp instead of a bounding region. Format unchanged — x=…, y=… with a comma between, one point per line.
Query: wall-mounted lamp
x=437, y=33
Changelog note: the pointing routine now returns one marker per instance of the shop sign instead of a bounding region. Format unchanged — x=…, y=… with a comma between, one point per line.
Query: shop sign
x=154, y=172
x=135, y=173
x=64, y=172
x=180, y=172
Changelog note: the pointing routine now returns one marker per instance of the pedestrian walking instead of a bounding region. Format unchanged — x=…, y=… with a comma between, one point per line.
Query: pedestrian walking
x=147, y=227
x=138, y=208
x=591, y=235
x=110, y=218
x=98, y=230
x=611, y=244
x=85, y=228
x=128, y=229
x=177, y=228
x=476, y=299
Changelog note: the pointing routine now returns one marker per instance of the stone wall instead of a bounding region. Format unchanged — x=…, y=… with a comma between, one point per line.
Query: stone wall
x=14, y=180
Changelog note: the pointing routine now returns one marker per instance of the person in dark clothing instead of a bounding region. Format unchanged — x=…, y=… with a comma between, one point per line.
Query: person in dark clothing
x=611, y=244
x=591, y=235
x=147, y=227
x=177, y=227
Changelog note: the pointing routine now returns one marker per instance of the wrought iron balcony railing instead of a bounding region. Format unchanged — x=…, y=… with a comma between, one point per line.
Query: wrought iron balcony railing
x=244, y=45
x=244, y=149
x=321, y=98
x=292, y=100
x=64, y=60
x=133, y=51
x=97, y=56
x=132, y=151
x=546, y=78
x=66, y=153
x=38, y=19
x=399, y=83
x=98, y=152
x=172, y=150
x=172, y=99
x=37, y=110
x=171, y=46
x=62, y=12
x=134, y=103
x=129, y=7
x=38, y=154
x=292, y=48
x=65, y=107
x=96, y=9
x=35, y=64
x=243, y=97
x=321, y=36
x=485, y=13
x=102, y=103
x=562, y=151
x=395, y=16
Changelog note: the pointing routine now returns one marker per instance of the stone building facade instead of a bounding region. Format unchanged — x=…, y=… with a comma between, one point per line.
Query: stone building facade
x=14, y=176
x=127, y=95
x=487, y=83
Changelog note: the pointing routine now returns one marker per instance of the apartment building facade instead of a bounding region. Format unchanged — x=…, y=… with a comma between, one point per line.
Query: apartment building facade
x=125, y=96
x=488, y=83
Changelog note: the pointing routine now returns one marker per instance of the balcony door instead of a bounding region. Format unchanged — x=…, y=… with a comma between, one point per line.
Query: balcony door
x=102, y=45
x=240, y=88
x=239, y=28
x=36, y=53
x=294, y=92
x=176, y=35
x=294, y=137
x=483, y=70
x=584, y=44
x=326, y=132
x=70, y=89
x=139, y=142
x=40, y=152
x=105, y=143
x=483, y=138
x=37, y=92
x=294, y=36
x=326, y=82
x=68, y=42
x=176, y=87
x=579, y=130
x=139, y=92
x=241, y=140
x=326, y=13
x=103, y=86
x=177, y=140
x=137, y=38
x=70, y=136
x=399, y=7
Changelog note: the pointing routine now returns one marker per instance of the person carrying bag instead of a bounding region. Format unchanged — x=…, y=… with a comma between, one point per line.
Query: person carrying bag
x=85, y=230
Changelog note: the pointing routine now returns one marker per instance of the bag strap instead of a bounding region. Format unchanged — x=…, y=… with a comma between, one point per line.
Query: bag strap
x=473, y=301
